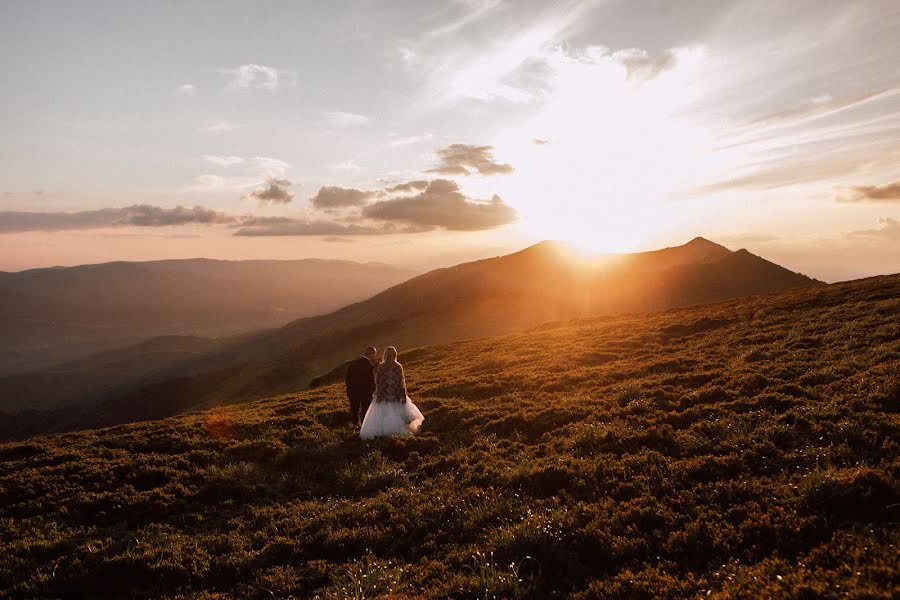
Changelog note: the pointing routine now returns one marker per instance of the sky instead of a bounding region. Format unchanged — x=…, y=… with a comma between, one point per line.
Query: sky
x=424, y=134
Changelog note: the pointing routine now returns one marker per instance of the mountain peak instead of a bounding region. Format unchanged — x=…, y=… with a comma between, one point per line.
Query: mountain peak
x=702, y=242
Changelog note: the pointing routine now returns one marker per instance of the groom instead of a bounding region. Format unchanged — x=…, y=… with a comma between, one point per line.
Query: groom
x=361, y=384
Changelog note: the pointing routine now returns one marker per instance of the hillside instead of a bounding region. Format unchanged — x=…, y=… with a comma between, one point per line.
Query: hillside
x=60, y=314
x=500, y=295
x=746, y=449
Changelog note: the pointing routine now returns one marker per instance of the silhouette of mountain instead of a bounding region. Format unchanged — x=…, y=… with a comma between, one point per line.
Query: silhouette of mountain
x=546, y=282
x=53, y=315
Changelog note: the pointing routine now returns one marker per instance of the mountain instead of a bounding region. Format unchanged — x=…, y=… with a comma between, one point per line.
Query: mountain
x=49, y=316
x=744, y=449
x=546, y=282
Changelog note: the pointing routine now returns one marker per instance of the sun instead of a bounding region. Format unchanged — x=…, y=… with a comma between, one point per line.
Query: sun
x=615, y=152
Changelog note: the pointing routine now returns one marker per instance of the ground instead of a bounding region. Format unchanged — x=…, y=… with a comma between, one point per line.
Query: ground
x=742, y=449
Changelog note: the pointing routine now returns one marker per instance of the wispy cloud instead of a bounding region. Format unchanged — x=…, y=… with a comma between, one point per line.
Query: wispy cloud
x=889, y=192
x=222, y=161
x=254, y=76
x=268, y=164
x=222, y=126
x=508, y=68
x=817, y=108
x=409, y=140
x=888, y=230
x=188, y=89
x=345, y=119
x=348, y=166
x=138, y=215
x=271, y=165
x=304, y=227
x=472, y=12
x=210, y=182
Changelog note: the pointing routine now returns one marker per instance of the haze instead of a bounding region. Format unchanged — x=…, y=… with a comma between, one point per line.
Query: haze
x=361, y=130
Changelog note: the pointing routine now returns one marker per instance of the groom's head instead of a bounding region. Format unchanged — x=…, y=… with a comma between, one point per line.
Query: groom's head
x=370, y=352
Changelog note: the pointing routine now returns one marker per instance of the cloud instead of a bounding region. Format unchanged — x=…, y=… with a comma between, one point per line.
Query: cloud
x=457, y=159
x=222, y=161
x=871, y=193
x=333, y=239
x=288, y=226
x=475, y=10
x=411, y=207
x=442, y=205
x=275, y=192
x=209, y=182
x=253, y=76
x=220, y=126
x=641, y=66
x=413, y=139
x=348, y=166
x=155, y=216
x=889, y=229
x=747, y=238
x=539, y=141
x=272, y=165
x=188, y=89
x=346, y=119
x=821, y=106
x=331, y=197
x=138, y=215
x=409, y=186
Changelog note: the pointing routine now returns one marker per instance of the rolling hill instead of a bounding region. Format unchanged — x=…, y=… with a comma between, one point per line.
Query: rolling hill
x=55, y=315
x=744, y=449
x=545, y=282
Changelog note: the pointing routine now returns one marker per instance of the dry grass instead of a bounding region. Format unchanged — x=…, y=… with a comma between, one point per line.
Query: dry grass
x=747, y=449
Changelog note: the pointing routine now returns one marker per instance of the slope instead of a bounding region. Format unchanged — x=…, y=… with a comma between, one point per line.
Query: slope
x=542, y=283
x=742, y=449
x=59, y=314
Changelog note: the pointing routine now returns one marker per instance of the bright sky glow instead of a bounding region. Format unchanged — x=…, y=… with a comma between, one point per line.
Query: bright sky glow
x=614, y=125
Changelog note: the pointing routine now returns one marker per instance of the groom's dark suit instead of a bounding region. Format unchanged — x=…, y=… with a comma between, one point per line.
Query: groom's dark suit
x=360, y=386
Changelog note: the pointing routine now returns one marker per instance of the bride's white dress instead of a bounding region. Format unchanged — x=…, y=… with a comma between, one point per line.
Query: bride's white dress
x=391, y=411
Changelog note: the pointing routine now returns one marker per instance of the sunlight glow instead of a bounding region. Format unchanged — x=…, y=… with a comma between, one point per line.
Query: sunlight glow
x=606, y=180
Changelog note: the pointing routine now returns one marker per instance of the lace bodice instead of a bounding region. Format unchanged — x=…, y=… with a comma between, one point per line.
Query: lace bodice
x=390, y=383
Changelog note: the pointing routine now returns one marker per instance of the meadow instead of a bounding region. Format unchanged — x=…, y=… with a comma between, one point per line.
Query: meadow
x=742, y=449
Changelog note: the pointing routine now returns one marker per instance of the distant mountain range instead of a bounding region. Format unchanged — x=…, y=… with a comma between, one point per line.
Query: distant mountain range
x=546, y=282
x=48, y=316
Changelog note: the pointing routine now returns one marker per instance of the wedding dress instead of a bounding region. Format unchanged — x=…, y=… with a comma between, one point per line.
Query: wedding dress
x=391, y=411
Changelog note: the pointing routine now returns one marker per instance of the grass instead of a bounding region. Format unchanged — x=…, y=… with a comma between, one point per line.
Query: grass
x=743, y=449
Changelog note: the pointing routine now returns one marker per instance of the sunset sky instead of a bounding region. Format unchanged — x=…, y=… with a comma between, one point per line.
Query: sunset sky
x=427, y=133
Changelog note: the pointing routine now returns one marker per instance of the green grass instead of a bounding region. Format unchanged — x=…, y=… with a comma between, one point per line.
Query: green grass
x=744, y=449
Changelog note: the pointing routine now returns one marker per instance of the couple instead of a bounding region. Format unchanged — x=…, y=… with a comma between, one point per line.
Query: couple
x=378, y=395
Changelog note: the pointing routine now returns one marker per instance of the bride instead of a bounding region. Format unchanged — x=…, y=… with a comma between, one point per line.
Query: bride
x=391, y=411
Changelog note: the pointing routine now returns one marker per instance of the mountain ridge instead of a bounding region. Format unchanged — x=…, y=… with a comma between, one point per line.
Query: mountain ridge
x=50, y=316
x=492, y=296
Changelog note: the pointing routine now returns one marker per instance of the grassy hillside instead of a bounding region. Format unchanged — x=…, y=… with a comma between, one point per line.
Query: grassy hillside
x=500, y=295
x=743, y=449
x=49, y=316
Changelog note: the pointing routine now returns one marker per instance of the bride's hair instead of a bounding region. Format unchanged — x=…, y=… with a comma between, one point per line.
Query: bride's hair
x=390, y=355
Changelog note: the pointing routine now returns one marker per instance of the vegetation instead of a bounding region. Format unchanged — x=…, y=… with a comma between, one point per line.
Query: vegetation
x=546, y=282
x=743, y=449
x=57, y=316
